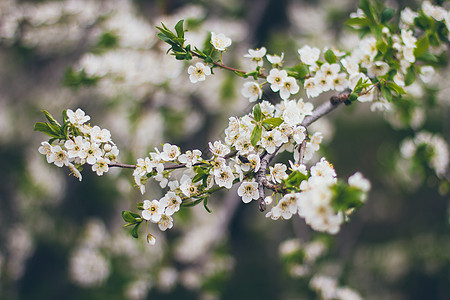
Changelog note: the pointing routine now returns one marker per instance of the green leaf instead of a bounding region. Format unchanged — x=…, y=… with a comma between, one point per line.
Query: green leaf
x=386, y=93
x=421, y=46
x=393, y=86
x=410, y=76
x=179, y=29
x=205, y=204
x=422, y=21
x=134, y=231
x=164, y=38
x=382, y=46
x=386, y=15
x=366, y=7
x=257, y=112
x=199, y=176
x=166, y=31
x=128, y=217
x=427, y=57
x=256, y=135
x=273, y=121
x=359, y=22
x=266, y=126
x=193, y=203
x=330, y=57
x=358, y=87
x=50, y=118
x=65, y=118
x=434, y=39
x=47, y=129
x=294, y=179
x=302, y=70
x=346, y=197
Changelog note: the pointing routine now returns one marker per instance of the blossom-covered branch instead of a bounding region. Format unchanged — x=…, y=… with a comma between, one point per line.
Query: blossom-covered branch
x=385, y=61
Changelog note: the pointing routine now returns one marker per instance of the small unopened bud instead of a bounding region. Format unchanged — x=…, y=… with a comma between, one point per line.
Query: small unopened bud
x=268, y=200
x=151, y=239
x=107, y=147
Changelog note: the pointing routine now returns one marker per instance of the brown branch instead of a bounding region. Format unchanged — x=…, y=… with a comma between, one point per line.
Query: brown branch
x=220, y=65
x=120, y=165
x=302, y=152
x=172, y=166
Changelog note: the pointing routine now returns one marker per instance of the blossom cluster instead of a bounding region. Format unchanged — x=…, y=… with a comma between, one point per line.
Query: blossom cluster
x=327, y=287
x=431, y=148
x=315, y=200
x=338, y=70
x=81, y=144
x=238, y=159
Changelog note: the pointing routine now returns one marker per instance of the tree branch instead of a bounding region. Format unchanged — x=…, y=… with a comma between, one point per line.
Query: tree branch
x=220, y=65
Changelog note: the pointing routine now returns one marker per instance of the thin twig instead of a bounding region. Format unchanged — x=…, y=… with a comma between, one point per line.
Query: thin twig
x=220, y=65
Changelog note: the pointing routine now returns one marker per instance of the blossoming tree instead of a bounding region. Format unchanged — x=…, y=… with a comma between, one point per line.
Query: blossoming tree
x=270, y=153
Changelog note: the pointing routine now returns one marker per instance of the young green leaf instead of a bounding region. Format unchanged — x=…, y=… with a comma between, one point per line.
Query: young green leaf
x=358, y=22
x=386, y=15
x=346, y=197
x=128, y=217
x=134, y=231
x=50, y=118
x=48, y=129
x=257, y=112
x=410, y=76
x=179, y=29
x=330, y=57
x=386, y=93
x=205, y=204
x=393, y=86
x=367, y=8
x=273, y=121
x=256, y=135
x=421, y=46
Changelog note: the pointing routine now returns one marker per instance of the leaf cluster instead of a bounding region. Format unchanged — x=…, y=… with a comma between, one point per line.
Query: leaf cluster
x=132, y=219
x=52, y=128
x=176, y=41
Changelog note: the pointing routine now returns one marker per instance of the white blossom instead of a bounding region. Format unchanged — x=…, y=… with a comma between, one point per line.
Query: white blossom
x=198, y=72
x=275, y=59
x=252, y=91
x=276, y=78
x=357, y=180
x=58, y=156
x=312, y=87
x=256, y=55
x=152, y=211
x=270, y=140
x=248, y=191
x=278, y=172
x=224, y=177
x=101, y=166
x=220, y=41
x=78, y=117
x=288, y=87
x=170, y=152
x=165, y=222
x=309, y=55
